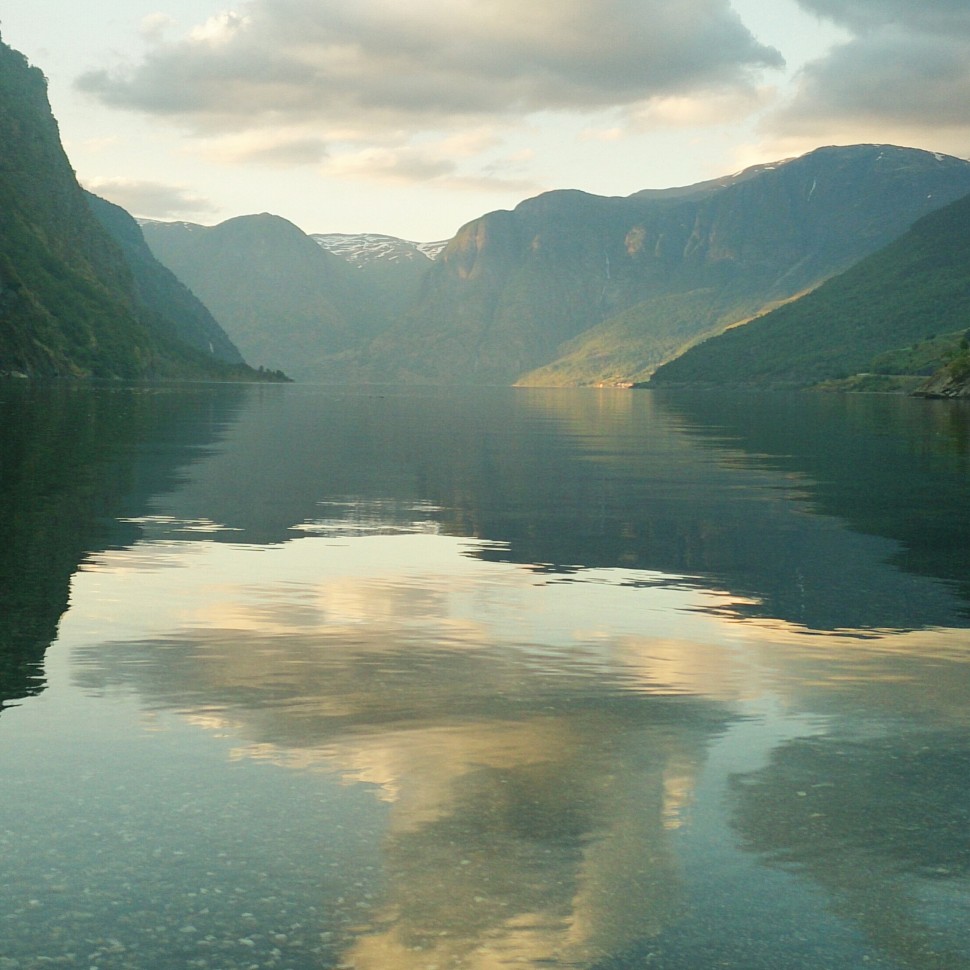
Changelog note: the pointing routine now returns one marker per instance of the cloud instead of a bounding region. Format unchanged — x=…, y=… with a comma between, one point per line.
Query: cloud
x=942, y=16
x=694, y=111
x=220, y=30
x=370, y=66
x=407, y=165
x=155, y=25
x=152, y=200
x=389, y=165
x=95, y=146
x=277, y=148
x=905, y=71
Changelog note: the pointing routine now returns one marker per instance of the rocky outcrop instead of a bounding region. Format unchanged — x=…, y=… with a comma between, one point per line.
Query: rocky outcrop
x=952, y=381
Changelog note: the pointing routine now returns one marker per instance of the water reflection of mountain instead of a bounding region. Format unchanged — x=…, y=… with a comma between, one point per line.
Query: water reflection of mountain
x=890, y=466
x=823, y=515
x=726, y=489
x=72, y=460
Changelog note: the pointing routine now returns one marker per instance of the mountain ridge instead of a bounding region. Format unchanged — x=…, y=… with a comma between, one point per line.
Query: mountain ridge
x=567, y=287
x=573, y=288
x=159, y=289
x=303, y=303
x=264, y=279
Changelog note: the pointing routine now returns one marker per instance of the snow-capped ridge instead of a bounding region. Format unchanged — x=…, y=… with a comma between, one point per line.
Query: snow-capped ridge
x=366, y=247
x=165, y=224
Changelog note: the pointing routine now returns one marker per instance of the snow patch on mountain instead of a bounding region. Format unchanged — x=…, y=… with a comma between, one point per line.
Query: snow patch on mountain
x=189, y=226
x=362, y=248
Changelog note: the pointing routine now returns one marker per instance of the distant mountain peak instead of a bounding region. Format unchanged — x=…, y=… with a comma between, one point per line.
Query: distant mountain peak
x=875, y=153
x=566, y=287
x=142, y=221
x=366, y=247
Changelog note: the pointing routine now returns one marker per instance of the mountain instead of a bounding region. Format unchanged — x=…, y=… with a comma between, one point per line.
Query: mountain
x=284, y=299
x=70, y=304
x=571, y=288
x=907, y=293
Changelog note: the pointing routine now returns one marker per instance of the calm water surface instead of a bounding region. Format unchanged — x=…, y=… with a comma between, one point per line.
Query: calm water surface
x=303, y=677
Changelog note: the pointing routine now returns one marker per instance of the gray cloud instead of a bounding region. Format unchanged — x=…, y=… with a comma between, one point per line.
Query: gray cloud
x=906, y=67
x=408, y=165
x=356, y=67
x=280, y=151
x=865, y=15
x=149, y=199
x=393, y=165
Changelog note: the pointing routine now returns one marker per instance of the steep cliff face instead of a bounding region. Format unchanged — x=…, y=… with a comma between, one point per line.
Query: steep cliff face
x=69, y=302
x=574, y=288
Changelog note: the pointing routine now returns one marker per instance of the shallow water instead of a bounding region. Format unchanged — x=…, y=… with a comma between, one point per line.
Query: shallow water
x=307, y=677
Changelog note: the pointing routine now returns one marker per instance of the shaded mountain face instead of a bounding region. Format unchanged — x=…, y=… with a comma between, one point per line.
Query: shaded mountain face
x=572, y=288
x=913, y=289
x=69, y=302
x=284, y=299
x=388, y=271
x=158, y=289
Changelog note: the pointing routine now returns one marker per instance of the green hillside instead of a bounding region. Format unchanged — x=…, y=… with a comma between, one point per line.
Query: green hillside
x=912, y=290
x=953, y=377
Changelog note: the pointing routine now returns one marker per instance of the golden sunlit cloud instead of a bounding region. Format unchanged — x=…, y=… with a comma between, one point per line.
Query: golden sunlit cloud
x=276, y=147
x=700, y=110
x=221, y=29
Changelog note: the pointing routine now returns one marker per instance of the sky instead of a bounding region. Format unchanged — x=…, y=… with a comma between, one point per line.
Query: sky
x=412, y=117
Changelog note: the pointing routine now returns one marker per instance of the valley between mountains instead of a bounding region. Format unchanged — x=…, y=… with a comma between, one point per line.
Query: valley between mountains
x=848, y=266
x=573, y=289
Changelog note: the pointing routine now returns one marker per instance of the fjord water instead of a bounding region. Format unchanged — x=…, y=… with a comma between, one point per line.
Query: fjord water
x=309, y=677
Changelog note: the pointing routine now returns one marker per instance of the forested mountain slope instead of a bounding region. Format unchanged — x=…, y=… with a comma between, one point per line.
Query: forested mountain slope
x=913, y=289
x=160, y=290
